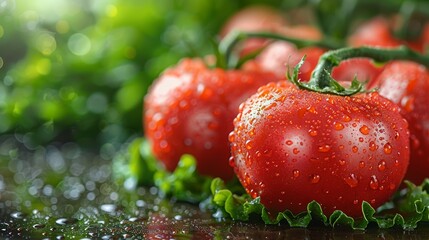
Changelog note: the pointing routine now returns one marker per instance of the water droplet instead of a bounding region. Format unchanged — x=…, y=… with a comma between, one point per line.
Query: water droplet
x=372, y=146
x=351, y=180
x=372, y=201
x=289, y=142
x=315, y=178
x=355, y=149
x=109, y=208
x=361, y=139
x=373, y=182
x=231, y=136
x=39, y=225
x=232, y=162
x=342, y=162
x=324, y=148
x=66, y=221
x=387, y=148
x=346, y=118
x=18, y=215
x=295, y=150
x=364, y=130
x=295, y=173
x=248, y=144
x=312, y=132
x=361, y=164
x=355, y=201
x=382, y=165
x=338, y=126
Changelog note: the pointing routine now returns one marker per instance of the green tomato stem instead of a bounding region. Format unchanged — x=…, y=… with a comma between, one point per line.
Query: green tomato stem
x=228, y=44
x=322, y=81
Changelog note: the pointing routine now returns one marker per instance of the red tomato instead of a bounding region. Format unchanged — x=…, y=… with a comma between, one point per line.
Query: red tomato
x=254, y=19
x=407, y=85
x=190, y=109
x=361, y=68
x=278, y=57
x=292, y=146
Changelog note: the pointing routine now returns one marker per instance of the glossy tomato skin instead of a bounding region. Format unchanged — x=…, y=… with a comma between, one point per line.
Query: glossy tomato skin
x=253, y=19
x=407, y=85
x=279, y=57
x=291, y=146
x=189, y=110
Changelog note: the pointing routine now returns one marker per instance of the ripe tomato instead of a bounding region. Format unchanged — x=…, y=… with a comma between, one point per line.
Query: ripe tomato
x=190, y=109
x=279, y=56
x=253, y=19
x=407, y=85
x=291, y=146
x=361, y=68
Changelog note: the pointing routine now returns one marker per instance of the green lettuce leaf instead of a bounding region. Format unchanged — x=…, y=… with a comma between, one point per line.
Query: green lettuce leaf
x=406, y=210
x=409, y=209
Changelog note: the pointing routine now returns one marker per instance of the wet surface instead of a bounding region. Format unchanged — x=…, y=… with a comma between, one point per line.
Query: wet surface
x=65, y=192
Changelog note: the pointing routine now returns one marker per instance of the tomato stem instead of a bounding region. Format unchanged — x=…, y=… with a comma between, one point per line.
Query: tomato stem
x=227, y=45
x=322, y=81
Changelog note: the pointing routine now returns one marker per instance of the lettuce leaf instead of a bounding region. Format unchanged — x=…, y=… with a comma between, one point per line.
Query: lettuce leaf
x=409, y=209
x=406, y=210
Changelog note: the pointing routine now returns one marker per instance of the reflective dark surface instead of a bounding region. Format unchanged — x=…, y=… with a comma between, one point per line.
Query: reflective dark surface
x=65, y=192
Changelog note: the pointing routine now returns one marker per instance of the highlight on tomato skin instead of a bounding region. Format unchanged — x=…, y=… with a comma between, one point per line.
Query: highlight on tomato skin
x=291, y=146
x=407, y=85
x=190, y=109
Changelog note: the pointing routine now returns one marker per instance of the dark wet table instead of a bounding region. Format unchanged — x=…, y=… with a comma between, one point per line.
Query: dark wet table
x=64, y=192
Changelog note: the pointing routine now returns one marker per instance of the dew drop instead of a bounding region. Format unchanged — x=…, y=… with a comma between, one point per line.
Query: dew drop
x=66, y=221
x=232, y=162
x=324, y=148
x=295, y=150
x=364, y=130
x=355, y=149
x=361, y=164
x=351, y=180
x=372, y=201
x=248, y=144
x=382, y=165
x=289, y=142
x=338, y=126
x=387, y=148
x=346, y=118
x=373, y=182
x=372, y=146
x=312, y=132
x=315, y=178
x=355, y=201
x=295, y=173
x=342, y=162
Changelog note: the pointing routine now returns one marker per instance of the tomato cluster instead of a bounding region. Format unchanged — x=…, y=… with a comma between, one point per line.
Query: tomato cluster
x=289, y=145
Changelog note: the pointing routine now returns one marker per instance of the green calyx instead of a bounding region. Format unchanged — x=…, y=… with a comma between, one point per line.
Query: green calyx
x=321, y=80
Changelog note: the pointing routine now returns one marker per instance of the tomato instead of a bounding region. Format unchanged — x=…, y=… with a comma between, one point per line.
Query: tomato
x=407, y=84
x=190, y=109
x=291, y=146
x=278, y=57
x=253, y=19
x=361, y=68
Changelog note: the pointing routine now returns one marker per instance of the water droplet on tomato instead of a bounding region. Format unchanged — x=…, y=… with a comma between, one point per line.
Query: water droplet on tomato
x=387, y=148
x=312, y=132
x=364, y=130
x=372, y=201
x=346, y=118
x=324, y=148
x=382, y=165
x=372, y=146
x=361, y=164
x=315, y=178
x=373, y=182
x=361, y=139
x=249, y=144
x=342, y=162
x=232, y=162
x=231, y=136
x=355, y=149
x=289, y=142
x=355, y=201
x=338, y=126
x=295, y=173
x=295, y=150
x=351, y=180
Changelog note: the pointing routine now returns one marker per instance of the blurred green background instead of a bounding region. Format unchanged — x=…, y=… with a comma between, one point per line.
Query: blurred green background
x=78, y=70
